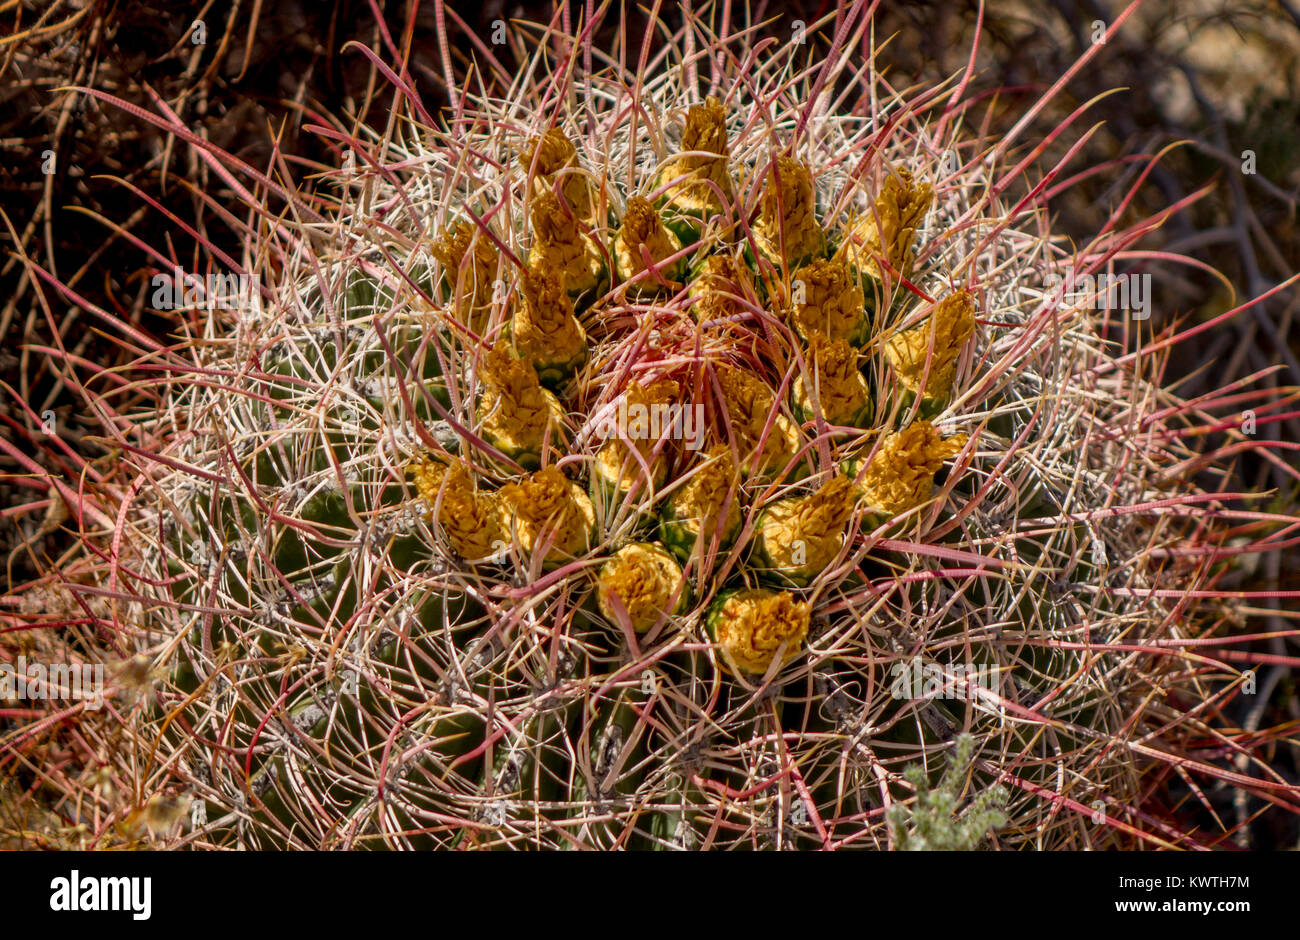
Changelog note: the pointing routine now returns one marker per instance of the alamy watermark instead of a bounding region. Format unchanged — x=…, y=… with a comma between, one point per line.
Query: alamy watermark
x=58, y=681
x=1105, y=291
x=178, y=290
x=78, y=892
x=916, y=680
x=640, y=422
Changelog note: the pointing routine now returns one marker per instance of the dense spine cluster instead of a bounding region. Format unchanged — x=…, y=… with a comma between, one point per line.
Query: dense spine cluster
x=583, y=483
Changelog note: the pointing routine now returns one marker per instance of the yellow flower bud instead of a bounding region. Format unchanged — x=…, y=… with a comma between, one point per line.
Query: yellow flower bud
x=706, y=130
x=615, y=463
x=647, y=583
x=752, y=626
x=544, y=330
x=720, y=289
x=950, y=325
x=470, y=519
x=547, y=506
x=560, y=246
x=827, y=299
x=469, y=260
x=697, y=508
x=787, y=215
x=833, y=375
x=797, y=538
x=749, y=402
x=515, y=412
x=555, y=154
x=900, y=476
x=642, y=227
x=889, y=232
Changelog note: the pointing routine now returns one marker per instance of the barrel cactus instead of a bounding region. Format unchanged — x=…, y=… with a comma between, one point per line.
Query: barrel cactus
x=593, y=472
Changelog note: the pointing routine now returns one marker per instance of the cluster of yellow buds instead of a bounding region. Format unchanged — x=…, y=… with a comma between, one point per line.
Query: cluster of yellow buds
x=796, y=538
x=542, y=509
x=706, y=507
x=721, y=289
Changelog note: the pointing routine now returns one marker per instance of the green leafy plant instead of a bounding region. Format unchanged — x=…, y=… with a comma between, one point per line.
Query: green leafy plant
x=933, y=822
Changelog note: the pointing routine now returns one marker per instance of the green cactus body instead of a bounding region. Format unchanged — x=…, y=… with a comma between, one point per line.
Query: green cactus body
x=368, y=509
x=615, y=754
x=931, y=407
x=674, y=828
x=527, y=771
